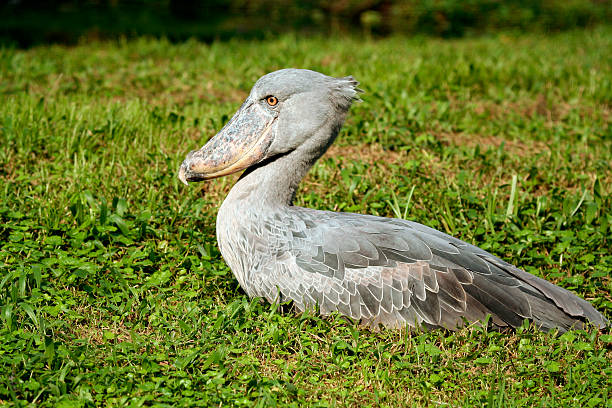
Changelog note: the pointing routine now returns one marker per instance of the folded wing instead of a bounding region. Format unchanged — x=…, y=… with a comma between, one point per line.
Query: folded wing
x=396, y=273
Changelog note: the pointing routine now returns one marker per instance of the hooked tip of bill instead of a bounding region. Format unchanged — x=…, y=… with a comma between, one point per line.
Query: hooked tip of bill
x=182, y=176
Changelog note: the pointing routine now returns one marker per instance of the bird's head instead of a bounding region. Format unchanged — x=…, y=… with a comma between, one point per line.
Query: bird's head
x=286, y=110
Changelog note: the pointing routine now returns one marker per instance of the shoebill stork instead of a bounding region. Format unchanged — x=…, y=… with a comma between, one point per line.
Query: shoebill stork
x=376, y=270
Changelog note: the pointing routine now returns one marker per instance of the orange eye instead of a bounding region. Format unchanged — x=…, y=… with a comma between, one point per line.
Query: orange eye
x=272, y=100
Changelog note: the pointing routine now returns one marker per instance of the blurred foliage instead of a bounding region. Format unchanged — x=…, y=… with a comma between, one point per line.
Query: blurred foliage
x=28, y=22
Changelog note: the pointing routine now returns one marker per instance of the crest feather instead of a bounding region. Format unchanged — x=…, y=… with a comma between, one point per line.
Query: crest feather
x=346, y=91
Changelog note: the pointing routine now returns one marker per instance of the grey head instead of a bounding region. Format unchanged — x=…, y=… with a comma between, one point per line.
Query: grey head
x=286, y=110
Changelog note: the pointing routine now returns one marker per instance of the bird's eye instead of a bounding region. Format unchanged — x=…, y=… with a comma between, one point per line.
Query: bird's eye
x=272, y=100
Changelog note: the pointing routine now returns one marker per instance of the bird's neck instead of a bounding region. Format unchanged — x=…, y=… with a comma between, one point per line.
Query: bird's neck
x=274, y=182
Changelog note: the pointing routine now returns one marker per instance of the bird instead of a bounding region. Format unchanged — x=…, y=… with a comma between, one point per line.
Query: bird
x=377, y=271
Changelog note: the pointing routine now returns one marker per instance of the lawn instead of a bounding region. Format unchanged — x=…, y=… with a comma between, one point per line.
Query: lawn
x=112, y=288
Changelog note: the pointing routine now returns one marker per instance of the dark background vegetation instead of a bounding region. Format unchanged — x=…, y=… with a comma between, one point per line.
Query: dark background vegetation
x=28, y=22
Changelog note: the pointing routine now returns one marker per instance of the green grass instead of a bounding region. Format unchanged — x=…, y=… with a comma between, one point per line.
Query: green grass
x=112, y=289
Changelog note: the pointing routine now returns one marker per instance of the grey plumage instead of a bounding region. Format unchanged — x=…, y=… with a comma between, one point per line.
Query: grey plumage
x=374, y=269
